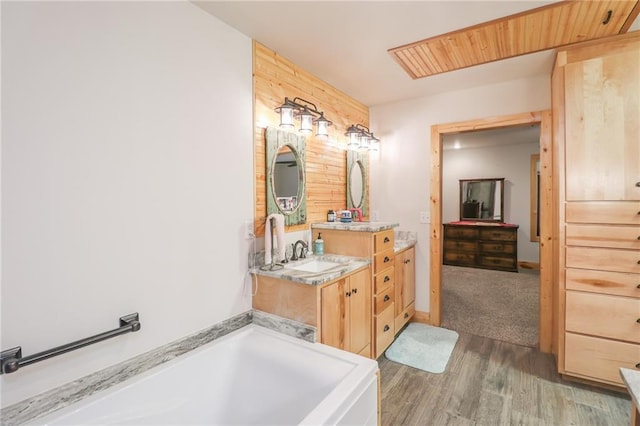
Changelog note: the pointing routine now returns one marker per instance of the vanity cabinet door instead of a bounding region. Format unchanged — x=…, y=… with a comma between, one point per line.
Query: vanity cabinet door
x=405, y=289
x=335, y=315
x=360, y=311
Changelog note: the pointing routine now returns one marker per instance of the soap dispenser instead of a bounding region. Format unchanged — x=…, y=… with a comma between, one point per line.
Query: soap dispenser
x=318, y=246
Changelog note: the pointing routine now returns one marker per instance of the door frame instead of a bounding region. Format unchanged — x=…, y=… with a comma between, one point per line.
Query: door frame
x=547, y=208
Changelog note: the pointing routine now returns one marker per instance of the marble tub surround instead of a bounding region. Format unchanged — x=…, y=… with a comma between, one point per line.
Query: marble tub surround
x=355, y=226
x=285, y=326
x=47, y=402
x=404, y=239
x=346, y=265
x=632, y=379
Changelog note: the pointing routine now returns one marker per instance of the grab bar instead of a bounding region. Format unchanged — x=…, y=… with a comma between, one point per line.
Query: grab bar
x=11, y=359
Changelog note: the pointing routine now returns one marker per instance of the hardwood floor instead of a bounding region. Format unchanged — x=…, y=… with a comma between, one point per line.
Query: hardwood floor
x=489, y=382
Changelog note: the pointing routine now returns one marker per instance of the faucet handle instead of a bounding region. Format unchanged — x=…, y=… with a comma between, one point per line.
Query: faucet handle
x=294, y=256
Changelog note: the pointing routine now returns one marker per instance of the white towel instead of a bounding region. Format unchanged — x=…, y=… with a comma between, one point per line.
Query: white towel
x=279, y=222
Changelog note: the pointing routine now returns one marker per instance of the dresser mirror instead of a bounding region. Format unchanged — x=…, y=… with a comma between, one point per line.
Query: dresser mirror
x=357, y=171
x=482, y=199
x=285, y=159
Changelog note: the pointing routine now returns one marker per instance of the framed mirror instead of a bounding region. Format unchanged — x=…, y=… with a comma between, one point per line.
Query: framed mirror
x=482, y=199
x=357, y=172
x=285, y=159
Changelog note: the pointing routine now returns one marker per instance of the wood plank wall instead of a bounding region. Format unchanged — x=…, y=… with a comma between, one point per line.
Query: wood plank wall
x=275, y=78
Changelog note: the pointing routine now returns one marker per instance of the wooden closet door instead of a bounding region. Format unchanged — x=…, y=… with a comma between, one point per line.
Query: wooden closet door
x=602, y=125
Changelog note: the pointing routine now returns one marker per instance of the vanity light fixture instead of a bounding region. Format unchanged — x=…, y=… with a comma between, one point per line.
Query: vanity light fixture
x=360, y=137
x=308, y=114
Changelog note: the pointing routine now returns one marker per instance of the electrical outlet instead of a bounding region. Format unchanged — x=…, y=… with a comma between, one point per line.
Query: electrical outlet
x=375, y=215
x=424, y=217
x=248, y=230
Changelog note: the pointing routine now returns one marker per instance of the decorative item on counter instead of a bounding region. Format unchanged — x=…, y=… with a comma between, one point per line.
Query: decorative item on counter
x=331, y=216
x=318, y=246
x=356, y=214
x=345, y=216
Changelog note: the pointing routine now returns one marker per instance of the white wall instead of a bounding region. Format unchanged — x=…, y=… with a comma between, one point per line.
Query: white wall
x=512, y=162
x=400, y=172
x=127, y=173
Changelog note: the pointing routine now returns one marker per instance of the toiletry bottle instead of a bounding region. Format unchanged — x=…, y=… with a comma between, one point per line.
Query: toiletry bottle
x=318, y=246
x=331, y=216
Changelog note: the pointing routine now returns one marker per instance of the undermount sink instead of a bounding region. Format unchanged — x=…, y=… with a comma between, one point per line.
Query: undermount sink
x=316, y=266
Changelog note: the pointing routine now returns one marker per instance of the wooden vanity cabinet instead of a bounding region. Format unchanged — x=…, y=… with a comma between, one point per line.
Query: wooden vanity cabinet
x=346, y=314
x=340, y=309
x=405, y=287
x=377, y=246
x=596, y=97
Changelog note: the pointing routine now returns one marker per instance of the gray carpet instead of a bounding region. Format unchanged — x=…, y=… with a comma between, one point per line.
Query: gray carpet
x=495, y=304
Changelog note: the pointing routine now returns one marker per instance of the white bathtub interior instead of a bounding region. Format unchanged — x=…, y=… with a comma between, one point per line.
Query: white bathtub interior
x=251, y=376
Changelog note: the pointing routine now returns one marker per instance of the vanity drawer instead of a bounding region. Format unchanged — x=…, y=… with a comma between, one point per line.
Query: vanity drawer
x=610, y=236
x=603, y=315
x=384, y=300
x=497, y=262
x=611, y=212
x=599, y=358
x=617, y=283
x=383, y=281
x=460, y=245
x=615, y=260
x=461, y=232
x=498, y=234
x=500, y=248
x=385, y=329
x=383, y=240
x=405, y=316
x=383, y=260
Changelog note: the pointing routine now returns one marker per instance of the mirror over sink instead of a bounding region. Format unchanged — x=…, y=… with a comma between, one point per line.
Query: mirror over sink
x=285, y=159
x=482, y=199
x=357, y=169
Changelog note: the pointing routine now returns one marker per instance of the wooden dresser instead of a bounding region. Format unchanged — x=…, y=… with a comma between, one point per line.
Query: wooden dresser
x=486, y=246
x=595, y=95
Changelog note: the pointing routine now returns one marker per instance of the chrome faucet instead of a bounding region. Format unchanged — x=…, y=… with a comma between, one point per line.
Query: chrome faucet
x=303, y=250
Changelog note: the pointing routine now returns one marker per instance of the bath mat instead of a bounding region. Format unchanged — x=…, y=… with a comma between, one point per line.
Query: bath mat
x=423, y=346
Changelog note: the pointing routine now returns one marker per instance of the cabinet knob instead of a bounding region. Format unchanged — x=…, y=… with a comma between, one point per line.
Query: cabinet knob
x=407, y=261
x=348, y=294
x=638, y=365
x=386, y=239
x=386, y=278
x=386, y=259
x=638, y=320
x=386, y=298
x=406, y=314
x=638, y=286
x=354, y=291
x=386, y=327
x=638, y=184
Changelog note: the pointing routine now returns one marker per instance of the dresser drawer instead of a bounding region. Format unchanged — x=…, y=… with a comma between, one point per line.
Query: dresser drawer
x=383, y=281
x=496, y=262
x=382, y=261
x=460, y=245
x=609, y=212
x=461, y=232
x=603, y=315
x=598, y=358
x=384, y=299
x=385, y=329
x=500, y=248
x=616, y=283
x=404, y=317
x=606, y=259
x=498, y=234
x=610, y=236
x=460, y=258
x=383, y=240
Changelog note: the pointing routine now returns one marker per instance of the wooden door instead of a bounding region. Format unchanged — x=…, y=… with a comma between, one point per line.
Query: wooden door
x=360, y=311
x=335, y=315
x=601, y=127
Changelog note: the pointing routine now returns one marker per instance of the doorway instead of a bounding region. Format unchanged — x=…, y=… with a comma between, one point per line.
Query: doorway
x=546, y=312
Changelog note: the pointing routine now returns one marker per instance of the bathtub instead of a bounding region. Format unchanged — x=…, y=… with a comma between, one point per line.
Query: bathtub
x=251, y=376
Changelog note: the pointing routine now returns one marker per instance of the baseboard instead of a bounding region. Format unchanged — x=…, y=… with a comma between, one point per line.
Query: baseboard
x=528, y=265
x=422, y=317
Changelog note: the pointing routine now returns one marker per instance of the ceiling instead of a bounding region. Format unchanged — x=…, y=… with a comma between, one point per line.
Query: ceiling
x=345, y=43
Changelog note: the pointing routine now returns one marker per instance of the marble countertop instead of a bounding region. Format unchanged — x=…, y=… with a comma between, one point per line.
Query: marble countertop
x=632, y=379
x=356, y=226
x=346, y=265
x=403, y=240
